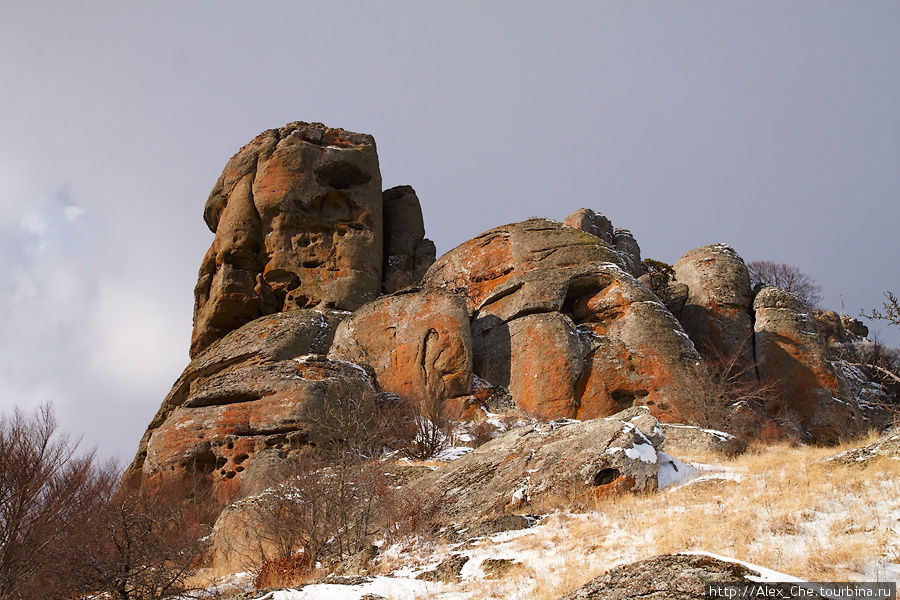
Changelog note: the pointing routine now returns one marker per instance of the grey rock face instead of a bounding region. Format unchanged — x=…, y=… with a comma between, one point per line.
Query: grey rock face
x=593, y=223
x=407, y=254
x=628, y=249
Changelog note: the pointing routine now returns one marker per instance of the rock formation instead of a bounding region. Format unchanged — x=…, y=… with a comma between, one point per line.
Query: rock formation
x=297, y=215
x=717, y=314
x=547, y=316
x=523, y=466
x=791, y=354
x=407, y=253
x=418, y=344
x=242, y=407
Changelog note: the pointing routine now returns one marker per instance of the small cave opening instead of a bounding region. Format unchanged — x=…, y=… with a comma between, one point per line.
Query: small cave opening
x=579, y=293
x=626, y=398
x=605, y=476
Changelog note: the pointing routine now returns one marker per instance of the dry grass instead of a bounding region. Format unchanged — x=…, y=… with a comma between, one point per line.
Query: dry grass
x=789, y=510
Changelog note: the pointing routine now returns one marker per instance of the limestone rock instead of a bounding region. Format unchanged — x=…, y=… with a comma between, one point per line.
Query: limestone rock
x=525, y=465
x=297, y=215
x=791, y=354
x=418, y=344
x=476, y=267
x=717, y=313
x=407, y=254
x=830, y=326
x=666, y=577
x=593, y=223
x=584, y=341
x=240, y=407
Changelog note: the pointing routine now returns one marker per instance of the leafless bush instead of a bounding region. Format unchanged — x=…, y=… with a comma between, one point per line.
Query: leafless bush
x=429, y=428
x=880, y=364
x=786, y=277
x=727, y=395
x=48, y=493
x=144, y=544
x=889, y=311
x=323, y=511
x=480, y=433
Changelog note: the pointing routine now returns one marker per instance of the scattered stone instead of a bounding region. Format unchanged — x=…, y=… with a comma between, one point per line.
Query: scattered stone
x=448, y=571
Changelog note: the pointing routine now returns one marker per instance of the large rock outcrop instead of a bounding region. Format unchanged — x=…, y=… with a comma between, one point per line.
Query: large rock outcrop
x=792, y=356
x=717, y=315
x=297, y=215
x=558, y=322
x=244, y=406
x=417, y=343
x=585, y=342
x=407, y=253
x=526, y=465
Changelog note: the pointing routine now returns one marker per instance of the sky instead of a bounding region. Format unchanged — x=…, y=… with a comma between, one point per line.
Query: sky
x=771, y=126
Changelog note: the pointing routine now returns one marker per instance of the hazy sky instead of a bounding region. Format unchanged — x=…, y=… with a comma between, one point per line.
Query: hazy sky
x=772, y=126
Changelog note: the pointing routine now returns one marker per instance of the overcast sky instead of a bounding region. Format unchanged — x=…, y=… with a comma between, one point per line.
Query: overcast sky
x=772, y=126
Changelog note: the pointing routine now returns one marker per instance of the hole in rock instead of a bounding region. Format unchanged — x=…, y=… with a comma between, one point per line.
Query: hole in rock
x=605, y=476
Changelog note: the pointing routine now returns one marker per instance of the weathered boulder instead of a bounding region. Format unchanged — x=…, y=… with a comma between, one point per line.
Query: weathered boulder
x=242, y=407
x=476, y=267
x=791, y=355
x=830, y=326
x=583, y=341
x=717, y=313
x=407, y=253
x=854, y=326
x=525, y=465
x=668, y=577
x=685, y=440
x=417, y=342
x=297, y=215
x=593, y=223
x=887, y=447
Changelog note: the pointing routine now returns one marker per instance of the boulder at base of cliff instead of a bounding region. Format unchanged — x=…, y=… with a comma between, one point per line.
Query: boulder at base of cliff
x=548, y=461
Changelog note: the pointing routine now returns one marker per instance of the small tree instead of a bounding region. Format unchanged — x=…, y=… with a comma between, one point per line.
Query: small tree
x=786, y=277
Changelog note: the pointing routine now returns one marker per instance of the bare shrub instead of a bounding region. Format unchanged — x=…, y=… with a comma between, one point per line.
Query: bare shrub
x=889, y=311
x=480, y=433
x=786, y=277
x=48, y=493
x=430, y=429
x=728, y=396
x=145, y=543
x=880, y=364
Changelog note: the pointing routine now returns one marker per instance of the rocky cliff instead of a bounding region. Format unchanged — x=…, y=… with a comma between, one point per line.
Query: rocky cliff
x=319, y=286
